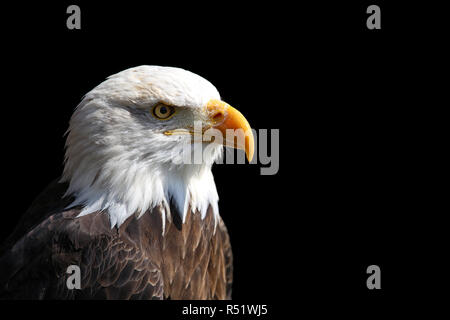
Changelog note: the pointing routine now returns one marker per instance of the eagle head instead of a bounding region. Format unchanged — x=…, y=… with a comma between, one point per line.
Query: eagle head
x=132, y=141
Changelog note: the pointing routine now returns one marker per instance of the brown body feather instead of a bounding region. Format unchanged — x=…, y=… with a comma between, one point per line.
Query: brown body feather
x=135, y=261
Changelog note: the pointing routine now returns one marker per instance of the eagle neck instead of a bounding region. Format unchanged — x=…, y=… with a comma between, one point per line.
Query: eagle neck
x=139, y=189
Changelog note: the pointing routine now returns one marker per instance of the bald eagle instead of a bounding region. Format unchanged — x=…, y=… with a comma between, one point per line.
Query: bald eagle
x=138, y=222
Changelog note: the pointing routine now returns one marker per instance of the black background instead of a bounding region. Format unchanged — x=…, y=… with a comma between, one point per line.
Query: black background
x=346, y=194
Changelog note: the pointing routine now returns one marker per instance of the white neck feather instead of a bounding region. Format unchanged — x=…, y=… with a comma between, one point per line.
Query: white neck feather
x=134, y=190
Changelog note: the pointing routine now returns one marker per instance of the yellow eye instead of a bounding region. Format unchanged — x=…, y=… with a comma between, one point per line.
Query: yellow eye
x=163, y=112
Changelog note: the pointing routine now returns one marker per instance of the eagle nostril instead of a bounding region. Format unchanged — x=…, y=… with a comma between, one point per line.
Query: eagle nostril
x=218, y=116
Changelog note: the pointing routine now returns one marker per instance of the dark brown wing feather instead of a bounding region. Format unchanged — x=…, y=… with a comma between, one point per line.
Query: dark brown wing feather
x=48, y=202
x=111, y=268
x=135, y=261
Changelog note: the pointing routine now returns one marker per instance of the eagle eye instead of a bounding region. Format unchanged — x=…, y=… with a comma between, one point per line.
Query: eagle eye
x=162, y=111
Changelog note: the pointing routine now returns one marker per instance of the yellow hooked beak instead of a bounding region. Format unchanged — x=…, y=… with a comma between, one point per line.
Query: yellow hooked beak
x=226, y=118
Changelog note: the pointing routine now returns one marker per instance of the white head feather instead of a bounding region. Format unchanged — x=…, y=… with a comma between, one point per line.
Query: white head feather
x=117, y=158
